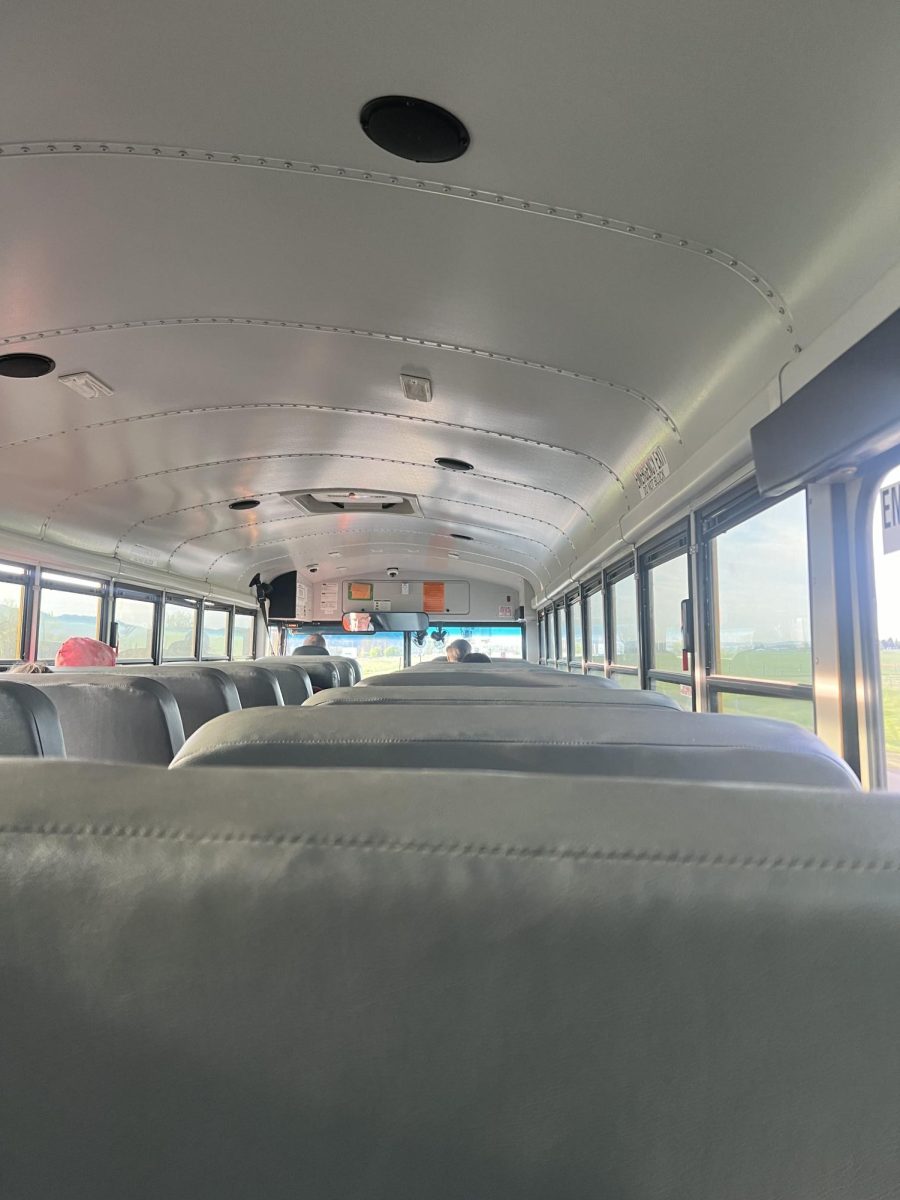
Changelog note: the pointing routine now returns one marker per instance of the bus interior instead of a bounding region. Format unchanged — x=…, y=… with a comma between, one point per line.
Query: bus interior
x=450, y=600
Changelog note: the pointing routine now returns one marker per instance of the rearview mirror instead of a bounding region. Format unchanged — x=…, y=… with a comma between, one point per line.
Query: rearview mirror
x=385, y=622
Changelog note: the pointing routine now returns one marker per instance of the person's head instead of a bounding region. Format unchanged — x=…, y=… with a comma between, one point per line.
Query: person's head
x=29, y=668
x=85, y=652
x=458, y=650
x=315, y=639
x=476, y=656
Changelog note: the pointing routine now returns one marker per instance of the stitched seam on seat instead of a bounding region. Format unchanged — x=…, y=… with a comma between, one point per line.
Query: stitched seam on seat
x=464, y=849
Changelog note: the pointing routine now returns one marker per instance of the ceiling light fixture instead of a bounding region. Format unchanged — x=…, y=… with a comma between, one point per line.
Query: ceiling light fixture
x=454, y=464
x=416, y=387
x=26, y=366
x=86, y=385
x=414, y=129
x=243, y=505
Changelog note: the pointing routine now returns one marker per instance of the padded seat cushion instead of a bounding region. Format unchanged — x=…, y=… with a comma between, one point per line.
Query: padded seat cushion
x=484, y=675
x=552, y=738
x=115, y=717
x=431, y=694
x=29, y=724
x=368, y=984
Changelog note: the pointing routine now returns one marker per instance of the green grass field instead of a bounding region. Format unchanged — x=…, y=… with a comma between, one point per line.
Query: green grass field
x=890, y=690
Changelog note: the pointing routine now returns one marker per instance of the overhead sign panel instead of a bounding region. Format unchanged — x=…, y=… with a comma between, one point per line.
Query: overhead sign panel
x=652, y=471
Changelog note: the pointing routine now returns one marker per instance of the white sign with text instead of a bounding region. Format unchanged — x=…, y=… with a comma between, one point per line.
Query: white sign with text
x=890, y=517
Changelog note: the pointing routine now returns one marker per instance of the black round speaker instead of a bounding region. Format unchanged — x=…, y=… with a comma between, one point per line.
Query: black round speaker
x=25, y=366
x=454, y=464
x=414, y=129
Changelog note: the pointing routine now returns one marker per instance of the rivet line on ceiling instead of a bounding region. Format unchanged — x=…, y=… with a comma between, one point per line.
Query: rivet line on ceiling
x=453, y=191
x=346, y=331
x=304, y=537
x=290, y=406
x=398, y=523
x=174, y=512
x=397, y=462
x=470, y=554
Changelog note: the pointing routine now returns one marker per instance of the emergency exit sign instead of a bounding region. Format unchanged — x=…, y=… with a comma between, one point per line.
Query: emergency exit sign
x=890, y=517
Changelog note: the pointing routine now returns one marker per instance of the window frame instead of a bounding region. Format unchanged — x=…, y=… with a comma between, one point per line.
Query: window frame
x=575, y=604
x=25, y=580
x=726, y=512
x=120, y=591
x=562, y=615
x=68, y=582
x=242, y=612
x=213, y=606
x=672, y=543
x=870, y=698
x=590, y=589
x=180, y=601
x=614, y=574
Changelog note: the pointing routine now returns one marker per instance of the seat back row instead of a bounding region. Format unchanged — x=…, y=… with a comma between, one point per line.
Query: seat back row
x=450, y=984
x=141, y=714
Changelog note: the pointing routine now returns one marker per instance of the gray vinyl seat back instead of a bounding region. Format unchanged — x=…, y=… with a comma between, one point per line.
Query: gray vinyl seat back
x=349, y=670
x=258, y=686
x=557, y=739
x=115, y=717
x=320, y=673
x=454, y=985
x=201, y=692
x=523, y=697
x=502, y=663
x=323, y=673
x=485, y=675
x=293, y=679
x=29, y=724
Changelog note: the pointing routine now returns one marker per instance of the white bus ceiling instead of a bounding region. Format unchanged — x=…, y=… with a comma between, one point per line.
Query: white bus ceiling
x=661, y=211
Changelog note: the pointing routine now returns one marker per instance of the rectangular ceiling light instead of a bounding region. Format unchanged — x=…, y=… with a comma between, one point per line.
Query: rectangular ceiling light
x=416, y=387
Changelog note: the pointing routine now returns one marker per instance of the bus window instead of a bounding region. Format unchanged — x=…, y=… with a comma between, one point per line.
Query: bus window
x=747, y=705
x=761, y=596
x=624, y=621
x=496, y=641
x=12, y=610
x=64, y=613
x=667, y=586
x=887, y=593
x=376, y=653
x=179, y=631
x=759, y=614
x=596, y=630
x=562, y=633
x=214, y=639
x=551, y=636
x=134, y=619
x=577, y=653
x=242, y=637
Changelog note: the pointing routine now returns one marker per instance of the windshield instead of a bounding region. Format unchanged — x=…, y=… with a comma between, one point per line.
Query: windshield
x=375, y=652
x=496, y=641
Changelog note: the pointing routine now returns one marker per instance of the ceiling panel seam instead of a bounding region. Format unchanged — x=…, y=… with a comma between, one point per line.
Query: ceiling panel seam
x=291, y=406
x=344, y=331
x=722, y=258
x=465, y=556
x=332, y=533
x=378, y=542
x=174, y=512
x=397, y=462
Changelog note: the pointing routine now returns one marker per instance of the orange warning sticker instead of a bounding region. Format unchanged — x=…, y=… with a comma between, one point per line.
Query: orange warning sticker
x=433, y=598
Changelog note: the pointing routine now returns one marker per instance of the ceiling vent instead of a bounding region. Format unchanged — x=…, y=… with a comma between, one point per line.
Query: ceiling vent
x=348, y=500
